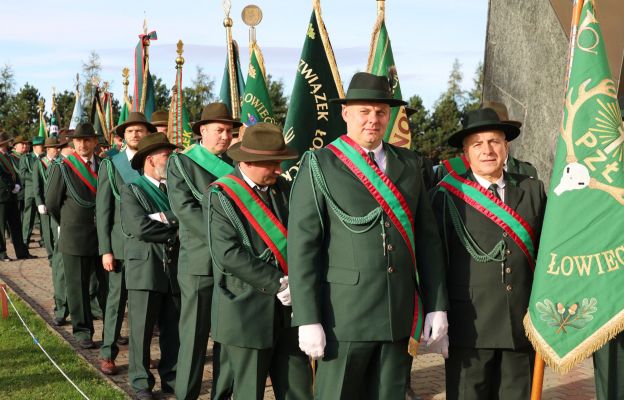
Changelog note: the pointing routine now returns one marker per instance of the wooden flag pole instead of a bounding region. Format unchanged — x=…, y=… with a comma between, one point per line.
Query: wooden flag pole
x=234, y=95
x=538, y=367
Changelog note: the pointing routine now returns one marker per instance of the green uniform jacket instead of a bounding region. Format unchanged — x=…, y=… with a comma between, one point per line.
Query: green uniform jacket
x=357, y=287
x=38, y=181
x=78, y=234
x=515, y=166
x=151, y=252
x=27, y=165
x=194, y=254
x=16, y=159
x=487, y=307
x=7, y=183
x=244, y=307
x=111, y=238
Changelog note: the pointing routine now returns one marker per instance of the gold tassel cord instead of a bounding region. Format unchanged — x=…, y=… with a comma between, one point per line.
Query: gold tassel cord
x=375, y=35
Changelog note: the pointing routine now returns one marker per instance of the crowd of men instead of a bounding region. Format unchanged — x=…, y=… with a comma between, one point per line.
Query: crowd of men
x=367, y=248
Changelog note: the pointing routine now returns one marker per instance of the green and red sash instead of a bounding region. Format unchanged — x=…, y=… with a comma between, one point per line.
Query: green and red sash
x=45, y=163
x=208, y=161
x=458, y=164
x=157, y=196
x=389, y=198
x=80, y=168
x=7, y=164
x=495, y=210
x=261, y=218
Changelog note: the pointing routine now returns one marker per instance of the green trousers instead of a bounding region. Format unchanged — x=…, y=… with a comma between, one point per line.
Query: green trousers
x=10, y=215
x=196, y=301
x=47, y=234
x=288, y=367
x=609, y=369
x=145, y=308
x=28, y=218
x=363, y=370
x=115, y=310
x=58, y=276
x=78, y=275
x=488, y=374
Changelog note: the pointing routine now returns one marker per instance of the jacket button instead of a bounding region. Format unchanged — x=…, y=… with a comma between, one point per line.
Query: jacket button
x=508, y=252
x=508, y=288
x=170, y=248
x=387, y=224
x=391, y=270
x=505, y=234
x=508, y=270
x=390, y=247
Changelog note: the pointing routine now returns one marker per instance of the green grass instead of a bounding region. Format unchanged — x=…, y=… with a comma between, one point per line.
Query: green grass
x=26, y=373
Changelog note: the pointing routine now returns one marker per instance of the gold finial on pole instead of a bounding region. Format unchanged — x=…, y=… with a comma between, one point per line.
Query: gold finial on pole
x=252, y=16
x=144, y=23
x=41, y=105
x=53, y=99
x=381, y=7
x=234, y=95
x=95, y=81
x=180, y=50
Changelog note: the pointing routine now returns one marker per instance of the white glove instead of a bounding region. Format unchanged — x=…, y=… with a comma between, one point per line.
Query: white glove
x=312, y=340
x=436, y=326
x=440, y=347
x=42, y=209
x=284, y=295
x=16, y=188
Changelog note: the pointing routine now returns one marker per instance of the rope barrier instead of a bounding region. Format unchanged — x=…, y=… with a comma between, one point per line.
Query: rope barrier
x=39, y=344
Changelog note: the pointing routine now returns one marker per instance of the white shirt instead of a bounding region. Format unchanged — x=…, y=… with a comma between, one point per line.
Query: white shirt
x=486, y=184
x=130, y=153
x=380, y=156
x=253, y=184
x=92, y=159
x=160, y=217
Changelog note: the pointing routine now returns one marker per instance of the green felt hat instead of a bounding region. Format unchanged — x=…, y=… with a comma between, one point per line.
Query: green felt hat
x=20, y=139
x=484, y=119
x=370, y=88
x=84, y=130
x=38, y=140
x=160, y=118
x=262, y=142
x=134, y=117
x=52, y=141
x=148, y=145
x=215, y=112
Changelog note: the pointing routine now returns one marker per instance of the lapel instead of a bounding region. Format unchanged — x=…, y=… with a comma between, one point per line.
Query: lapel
x=394, y=164
x=513, y=192
x=278, y=201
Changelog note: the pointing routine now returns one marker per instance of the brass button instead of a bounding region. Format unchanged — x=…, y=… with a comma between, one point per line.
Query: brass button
x=387, y=224
x=391, y=270
x=505, y=234
x=170, y=248
x=508, y=270
x=508, y=288
x=390, y=247
x=508, y=252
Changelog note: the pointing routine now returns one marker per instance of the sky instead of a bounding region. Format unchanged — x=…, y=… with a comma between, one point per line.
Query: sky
x=46, y=43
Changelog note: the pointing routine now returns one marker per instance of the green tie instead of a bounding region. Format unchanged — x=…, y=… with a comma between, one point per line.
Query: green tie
x=493, y=189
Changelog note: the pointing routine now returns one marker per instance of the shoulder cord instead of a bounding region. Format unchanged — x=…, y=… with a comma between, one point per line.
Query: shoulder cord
x=196, y=193
x=111, y=178
x=72, y=190
x=238, y=225
x=318, y=179
x=479, y=255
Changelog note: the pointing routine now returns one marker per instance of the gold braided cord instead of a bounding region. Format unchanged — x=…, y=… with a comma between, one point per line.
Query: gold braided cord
x=316, y=4
x=260, y=58
x=145, y=72
x=375, y=40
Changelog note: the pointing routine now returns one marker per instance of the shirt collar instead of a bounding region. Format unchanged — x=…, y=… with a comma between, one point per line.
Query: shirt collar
x=379, y=152
x=486, y=184
x=92, y=159
x=155, y=182
x=130, y=153
x=253, y=184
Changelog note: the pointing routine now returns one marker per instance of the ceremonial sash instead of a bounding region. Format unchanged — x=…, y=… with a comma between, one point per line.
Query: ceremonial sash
x=495, y=210
x=7, y=164
x=80, y=168
x=208, y=161
x=121, y=162
x=261, y=218
x=158, y=198
x=458, y=164
x=389, y=198
x=45, y=163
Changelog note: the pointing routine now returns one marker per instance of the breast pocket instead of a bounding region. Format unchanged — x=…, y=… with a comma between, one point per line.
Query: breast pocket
x=343, y=276
x=136, y=254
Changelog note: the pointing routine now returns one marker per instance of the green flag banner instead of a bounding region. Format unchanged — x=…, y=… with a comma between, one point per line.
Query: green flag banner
x=42, y=125
x=123, y=114
x=381, y=62
x=144, y=98
x=97, y=114
x=180, y=131
x=256, y=104
x=312, y=122
x=576, y=304
x=225, y=93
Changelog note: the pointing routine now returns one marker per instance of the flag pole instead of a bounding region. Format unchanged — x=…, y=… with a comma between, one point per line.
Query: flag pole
x=538, y=367
x=125, y=73
x=227, y=23
x=145, y=43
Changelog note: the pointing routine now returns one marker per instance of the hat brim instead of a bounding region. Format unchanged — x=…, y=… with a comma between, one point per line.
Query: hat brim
x=514, y=123
x=54, y=145
x=121, y=129
x=139, y=157
x=457, y=139
x=235, y=124
x=237, y=154
x=160, y=123
x=390, y=102
x=82, y=136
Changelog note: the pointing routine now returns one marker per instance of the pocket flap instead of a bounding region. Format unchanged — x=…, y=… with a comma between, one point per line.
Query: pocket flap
x=343, y=275
x=136, y=254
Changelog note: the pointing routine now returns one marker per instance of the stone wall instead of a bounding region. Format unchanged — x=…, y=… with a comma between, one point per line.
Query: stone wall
x=525, y=66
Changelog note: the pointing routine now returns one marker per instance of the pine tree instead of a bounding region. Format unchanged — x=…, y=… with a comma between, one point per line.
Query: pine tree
x=474, y=97
x=91, y=70
x=64, y=107
x=162, y=94
x=280, y=102
x=22, y=113
x=199, y=94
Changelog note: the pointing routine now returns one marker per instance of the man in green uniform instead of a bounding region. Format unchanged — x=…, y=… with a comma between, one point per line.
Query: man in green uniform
x=9, y=210
x=20, y=149
x=70, y=200
x=26, y=168
x=114, y=173
x=189, y=173
x=490, y=221
x=49, y=226
x=150, y=257
x=360, y=224
x=247, y=217
x=609, y=359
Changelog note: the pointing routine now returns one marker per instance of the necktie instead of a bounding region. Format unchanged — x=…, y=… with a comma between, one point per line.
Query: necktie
x=89, y=165
x=162, y=187
x=371, y=155
x=263, y=194
x=493, y=188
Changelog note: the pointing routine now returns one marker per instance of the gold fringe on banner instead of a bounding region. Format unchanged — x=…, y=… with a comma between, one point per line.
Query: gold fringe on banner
x=316, y=5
